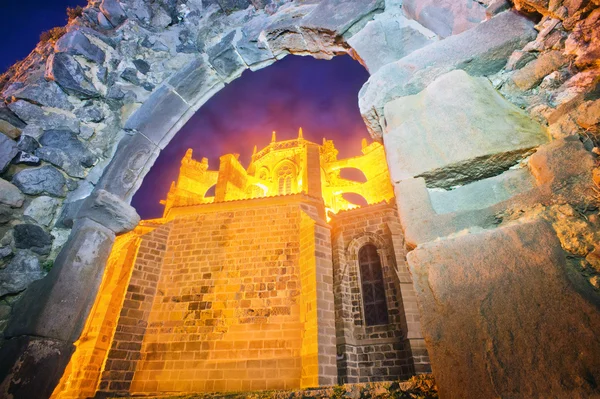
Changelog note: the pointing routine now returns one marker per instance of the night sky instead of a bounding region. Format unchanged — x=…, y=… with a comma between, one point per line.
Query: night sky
x=320, y=96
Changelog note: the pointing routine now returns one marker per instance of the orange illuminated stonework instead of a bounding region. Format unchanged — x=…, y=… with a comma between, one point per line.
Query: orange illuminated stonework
x=281, y=168
x=274, y=281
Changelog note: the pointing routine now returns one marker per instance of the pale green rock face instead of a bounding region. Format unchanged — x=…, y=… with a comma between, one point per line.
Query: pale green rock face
x=456, y=131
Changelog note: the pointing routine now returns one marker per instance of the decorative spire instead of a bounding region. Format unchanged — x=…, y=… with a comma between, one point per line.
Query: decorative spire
x=300, y=134
x=273, y=137
x=364, y=143
x=254, y=151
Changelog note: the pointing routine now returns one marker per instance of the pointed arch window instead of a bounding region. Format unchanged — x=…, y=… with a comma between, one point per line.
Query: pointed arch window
x=285, y=176
x=373, y=289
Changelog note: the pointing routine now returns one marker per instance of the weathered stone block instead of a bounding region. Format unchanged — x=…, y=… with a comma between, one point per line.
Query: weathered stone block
x=533, y=73
x=374, y=46
x=8, y=150
x=66, y=71
x=158, y=115
x=68, y=142
x=225, y=59
x=445, y=17
x=563, y=168
x=457, y=130
x=33, y=237
x=133, y=158
x=56, y=306
x=480, y=51
x=44, y=118
x=486, y=297
x=42, y=210
x=342, y=17
x=110, y=211
x=196, y=81
x=22, y=270
x=40, y=92
x=76, y=43
x=113, y=12
x=10, y=195
x=10, y=124
x=43, y=180
x=483, y=193
x=32, y=366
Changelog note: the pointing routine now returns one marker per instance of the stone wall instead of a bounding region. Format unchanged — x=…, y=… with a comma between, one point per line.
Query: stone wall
x=224, y=299
x=88, y=111
x=381, y=352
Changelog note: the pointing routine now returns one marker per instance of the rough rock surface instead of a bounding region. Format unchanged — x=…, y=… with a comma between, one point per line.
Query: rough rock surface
x=33, y=237
x=66, y=71
x=8, y=150
x=76, y=43
x=22, y=270
x=457, y=130
x=158, y=54
x=40, y=92
x=44, y=118
x=21, y=360
x=486, y=297
x=388, y=38
x=110, y=211
x=44, y=180
x=480, y=51
x=42, y=210
x=446, y=17
x=10, y=195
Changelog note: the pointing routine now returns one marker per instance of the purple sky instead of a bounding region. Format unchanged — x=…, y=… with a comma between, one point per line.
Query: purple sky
x=321, y=96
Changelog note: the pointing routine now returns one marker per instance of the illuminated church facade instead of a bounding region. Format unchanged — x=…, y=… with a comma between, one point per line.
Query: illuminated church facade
x=263, y=277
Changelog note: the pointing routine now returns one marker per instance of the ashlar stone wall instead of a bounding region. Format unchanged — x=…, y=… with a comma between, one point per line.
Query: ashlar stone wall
x=381, y=352
x=226, y=298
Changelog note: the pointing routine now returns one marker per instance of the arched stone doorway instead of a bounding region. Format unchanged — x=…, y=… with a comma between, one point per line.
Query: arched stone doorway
x=435, y=220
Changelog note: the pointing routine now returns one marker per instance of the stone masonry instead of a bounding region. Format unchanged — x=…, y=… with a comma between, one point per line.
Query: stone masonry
x=504, y=116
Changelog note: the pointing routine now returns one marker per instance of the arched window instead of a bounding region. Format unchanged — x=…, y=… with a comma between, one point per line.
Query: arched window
x=373, y=291
x=285, y=176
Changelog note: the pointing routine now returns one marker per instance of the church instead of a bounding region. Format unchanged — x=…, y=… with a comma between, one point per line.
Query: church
x=265, y=277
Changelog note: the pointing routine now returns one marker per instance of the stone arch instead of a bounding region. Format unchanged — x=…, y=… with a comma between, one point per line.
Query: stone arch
x=364, y=239
x=210, y=192
x=77, y=70
x=353, y=174
x=285, y=177
x=383, y=250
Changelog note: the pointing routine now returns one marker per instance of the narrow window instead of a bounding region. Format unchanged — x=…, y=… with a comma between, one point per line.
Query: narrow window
x=373, y=291
x=285, y=176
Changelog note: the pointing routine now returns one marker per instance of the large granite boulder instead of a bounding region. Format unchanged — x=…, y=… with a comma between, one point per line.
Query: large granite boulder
x=456, y=131
x=504, y=316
